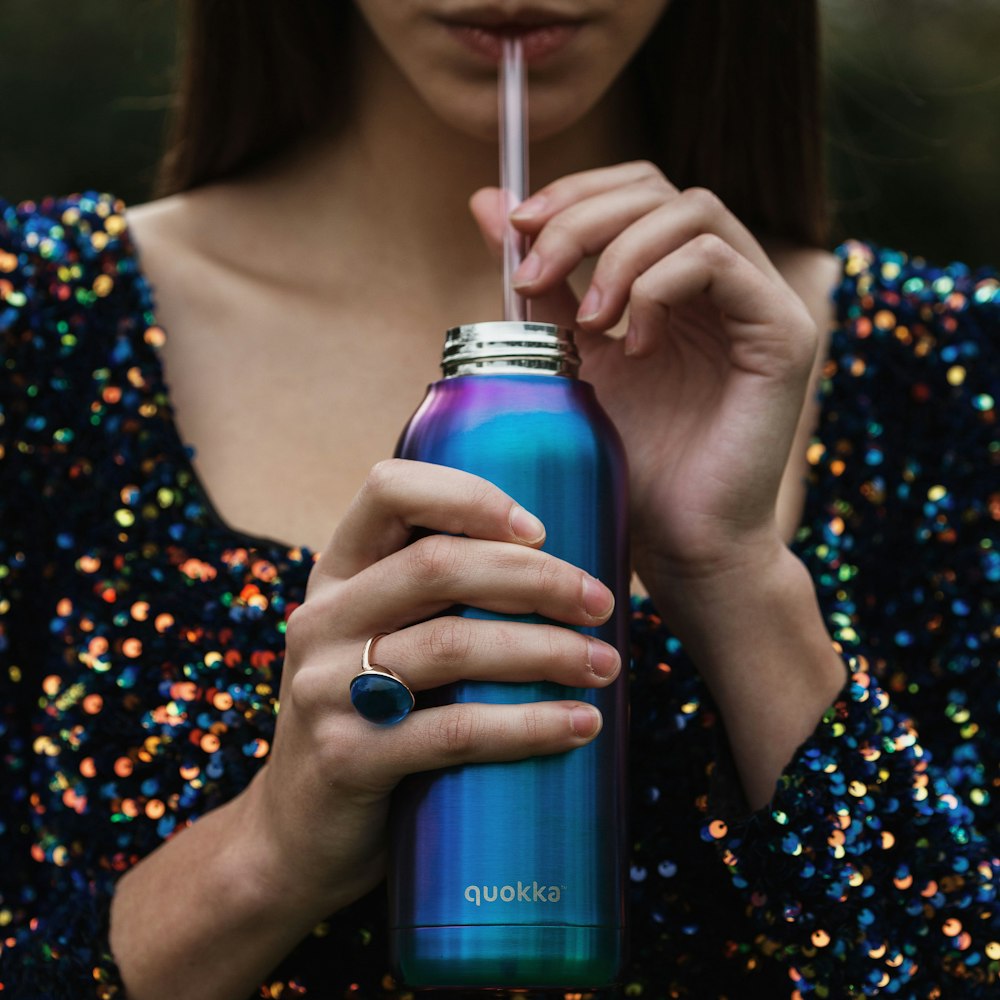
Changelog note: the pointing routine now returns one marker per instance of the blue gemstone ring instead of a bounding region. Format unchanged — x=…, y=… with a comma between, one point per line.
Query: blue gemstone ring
x=377, y=694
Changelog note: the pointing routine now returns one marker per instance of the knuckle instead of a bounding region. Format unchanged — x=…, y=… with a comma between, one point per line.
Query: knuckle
x=304, y=625
x=309, y=690
x=713, y=249
x=449, y=641
x=562, y=228
x=299, y=620
x=533, y=723
x=319, y=582
x=457, y=731
x=435, y=557
x=649, y=170
x=482, y=493
x=381, y=477
x=549, y=574
x=705, y=202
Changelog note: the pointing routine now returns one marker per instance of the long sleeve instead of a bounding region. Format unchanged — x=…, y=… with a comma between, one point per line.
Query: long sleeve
x=142, y=638
x=873, y=869
x=56, y=876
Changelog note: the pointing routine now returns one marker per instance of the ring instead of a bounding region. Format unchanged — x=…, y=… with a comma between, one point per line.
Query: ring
x=378, y=694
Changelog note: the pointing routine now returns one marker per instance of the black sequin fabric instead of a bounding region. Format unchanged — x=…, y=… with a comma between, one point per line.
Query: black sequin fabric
x=141, y=645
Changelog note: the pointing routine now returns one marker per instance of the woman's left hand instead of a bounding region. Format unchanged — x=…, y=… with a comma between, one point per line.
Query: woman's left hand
x=707, y=391
x=707, y=386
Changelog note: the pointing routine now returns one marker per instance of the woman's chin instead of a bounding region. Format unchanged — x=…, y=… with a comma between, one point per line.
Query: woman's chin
x=476, y=117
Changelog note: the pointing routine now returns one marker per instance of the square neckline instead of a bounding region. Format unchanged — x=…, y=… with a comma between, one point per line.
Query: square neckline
x=132, y=250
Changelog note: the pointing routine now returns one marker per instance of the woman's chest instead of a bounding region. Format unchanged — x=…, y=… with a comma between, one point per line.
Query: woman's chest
x=287, y=413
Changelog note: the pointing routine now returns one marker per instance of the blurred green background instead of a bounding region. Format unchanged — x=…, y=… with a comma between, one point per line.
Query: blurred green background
x=913, y=94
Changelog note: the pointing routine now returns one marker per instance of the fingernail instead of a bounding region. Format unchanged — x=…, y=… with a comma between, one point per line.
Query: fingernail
x=585, y=720
x=590, y=306
x=530, y=269
x=525, y=525
x=597, y=601
x=528, y=208
x=603, y=659
x=631, y=340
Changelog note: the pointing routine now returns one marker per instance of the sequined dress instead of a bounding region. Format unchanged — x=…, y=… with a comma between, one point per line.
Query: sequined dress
x=141, y=644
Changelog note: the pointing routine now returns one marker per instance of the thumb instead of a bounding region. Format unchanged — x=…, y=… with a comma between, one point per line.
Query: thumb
x=487, y=207
x=558, y=305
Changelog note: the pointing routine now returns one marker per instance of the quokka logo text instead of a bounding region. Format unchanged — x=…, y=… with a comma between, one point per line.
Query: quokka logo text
x=523, y=892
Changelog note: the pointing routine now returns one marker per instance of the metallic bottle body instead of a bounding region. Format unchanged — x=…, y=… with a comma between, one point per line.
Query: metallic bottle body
x=512, y=874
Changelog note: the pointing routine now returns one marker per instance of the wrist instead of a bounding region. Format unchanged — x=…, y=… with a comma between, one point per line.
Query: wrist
x=291, y=874
x=278, y=880
x=253, y=864
x=706, y=588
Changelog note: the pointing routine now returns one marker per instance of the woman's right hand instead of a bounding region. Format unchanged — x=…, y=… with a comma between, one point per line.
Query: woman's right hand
x=316, y=813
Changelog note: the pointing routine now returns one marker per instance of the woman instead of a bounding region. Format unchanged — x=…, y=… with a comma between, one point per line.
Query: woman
x=791, y=835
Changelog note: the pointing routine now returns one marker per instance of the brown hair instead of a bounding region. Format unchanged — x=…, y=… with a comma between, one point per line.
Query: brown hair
x=730, y=93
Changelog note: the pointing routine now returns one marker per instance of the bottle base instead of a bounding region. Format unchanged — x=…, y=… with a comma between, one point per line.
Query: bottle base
x=507, y=956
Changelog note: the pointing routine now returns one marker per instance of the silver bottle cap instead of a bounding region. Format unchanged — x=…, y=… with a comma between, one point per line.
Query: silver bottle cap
x=508, y=346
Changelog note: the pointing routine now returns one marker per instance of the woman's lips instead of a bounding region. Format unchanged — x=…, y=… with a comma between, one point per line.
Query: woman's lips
x=538, y=41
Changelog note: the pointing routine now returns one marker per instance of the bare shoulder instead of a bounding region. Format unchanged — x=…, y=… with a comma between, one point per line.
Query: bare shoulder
x=163, y=234
x=185, y=243
x=175, y=222
x=158, y=211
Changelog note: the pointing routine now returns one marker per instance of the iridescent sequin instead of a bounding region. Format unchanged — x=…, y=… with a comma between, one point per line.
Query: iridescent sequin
x=142, y=642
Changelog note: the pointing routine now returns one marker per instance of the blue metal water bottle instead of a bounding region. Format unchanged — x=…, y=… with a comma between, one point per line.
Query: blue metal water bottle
x=511, y=875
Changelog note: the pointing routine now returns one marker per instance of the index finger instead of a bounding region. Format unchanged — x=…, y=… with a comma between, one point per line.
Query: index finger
x=400, y=495
x=535, y=211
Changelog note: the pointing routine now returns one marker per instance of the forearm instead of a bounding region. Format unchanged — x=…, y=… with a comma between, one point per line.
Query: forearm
x=758, y=638
x=204, y=916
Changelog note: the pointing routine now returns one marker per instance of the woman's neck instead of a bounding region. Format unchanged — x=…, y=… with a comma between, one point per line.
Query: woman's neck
x=392, y=184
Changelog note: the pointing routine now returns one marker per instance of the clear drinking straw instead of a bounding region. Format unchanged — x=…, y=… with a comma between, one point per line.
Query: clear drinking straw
x=513, y=167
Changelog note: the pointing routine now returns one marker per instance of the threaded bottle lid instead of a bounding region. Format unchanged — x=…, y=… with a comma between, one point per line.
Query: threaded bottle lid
x=509, y=346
